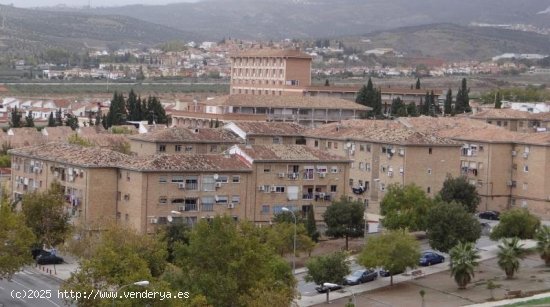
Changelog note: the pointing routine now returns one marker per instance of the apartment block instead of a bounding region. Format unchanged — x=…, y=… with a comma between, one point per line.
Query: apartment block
x=264, y=133
x=384, y=153
x=293, y=176
x=515, y=120
x=268, y=71
x=181, y=140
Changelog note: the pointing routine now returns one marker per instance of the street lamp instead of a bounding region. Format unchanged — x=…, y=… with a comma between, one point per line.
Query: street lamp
x=285, y=209
x=141, y=283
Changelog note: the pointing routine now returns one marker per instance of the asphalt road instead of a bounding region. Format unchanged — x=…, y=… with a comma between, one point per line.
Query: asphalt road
x=28, y=283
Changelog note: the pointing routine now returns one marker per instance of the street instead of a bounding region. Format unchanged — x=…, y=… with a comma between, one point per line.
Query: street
x=24, y=284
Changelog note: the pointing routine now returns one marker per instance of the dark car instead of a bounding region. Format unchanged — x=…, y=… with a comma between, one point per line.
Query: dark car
x=324, y=289
x=386, y=273
x=49, y=259
x=429, y=258
x=38, y=252
x=489, y=215
x=360, y=276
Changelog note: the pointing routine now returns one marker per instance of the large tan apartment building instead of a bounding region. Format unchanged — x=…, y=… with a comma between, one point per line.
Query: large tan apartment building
x=515, y=120
x=384, y=153
x=268, y=71
x=248, y=182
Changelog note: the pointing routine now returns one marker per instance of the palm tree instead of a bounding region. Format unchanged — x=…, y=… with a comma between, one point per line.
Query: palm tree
x=464, y=258
x=543, y=243
x=509, y=254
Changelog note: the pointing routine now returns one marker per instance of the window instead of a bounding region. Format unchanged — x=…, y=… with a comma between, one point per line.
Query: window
x=334, y=169
x=128, y=176
x=335, y=145
x=368, y=147
x=322, y=169
x=279, y=189
x=367, y=167
x=428, y=190
x=208, y=183
x=177, y=148
x=265, y=209
x=316, y=143
x=213, y=148
x=162, y=148
x=361, y=165
x=192, y=183
x=276, y=140
x=207, y=203
x=127, y=197
x=163, y=200
x=526, y=168
x=177, y=179
x=267, y=169
x=162, y=179
x=361, y=147
x=236, y=179
x=333, y=188
x=235, y=199
x=308, y=172
x=191, y=204
x=329, y=145
x=429, y=171
x=221, y=200
x=222, y=179
x=525, y=186
x=188, y=148
x=430, y=151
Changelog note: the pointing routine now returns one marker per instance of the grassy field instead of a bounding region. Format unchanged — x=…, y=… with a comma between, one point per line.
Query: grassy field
x=537, y=302
x=151, y=88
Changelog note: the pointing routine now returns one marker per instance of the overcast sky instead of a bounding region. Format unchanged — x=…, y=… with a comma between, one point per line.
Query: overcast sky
x=35, y=3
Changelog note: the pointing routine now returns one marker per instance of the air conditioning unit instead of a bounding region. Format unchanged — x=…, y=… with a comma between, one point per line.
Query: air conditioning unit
x=390, y=174
x=525, y=155
x=322, y=175
x=273, y=188
x=181, y=208
x=181, y=185
x=322, y=195
x=261, y=188
x=231, y=206
x=401, y=152
x=153, y=221
x=281, y=175
x=509, y=183
x=218, y=184
x=514, y=153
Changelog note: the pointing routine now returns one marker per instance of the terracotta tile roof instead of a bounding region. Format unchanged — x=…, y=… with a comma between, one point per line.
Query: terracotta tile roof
x=57, y=134
x=460, y=128
x=289, y=153
x=23, y=137
x=285, y=101
x=379, y=131
x=73, y=154
x=187, y=163
x=385, y=90
x=502, y=114
x=272, y=128
x=272, y=53
x=185, y=135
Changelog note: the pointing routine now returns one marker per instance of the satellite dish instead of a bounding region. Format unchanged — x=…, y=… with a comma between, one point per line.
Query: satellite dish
x=169, y=218
x=393, y=151
x=348, y=145
x=216, y=176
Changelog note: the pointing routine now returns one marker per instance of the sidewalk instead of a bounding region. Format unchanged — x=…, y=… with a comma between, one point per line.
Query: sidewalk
x=60, y=272
x=487, y=253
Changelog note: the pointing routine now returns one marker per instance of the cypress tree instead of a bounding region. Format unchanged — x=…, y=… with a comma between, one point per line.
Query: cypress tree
x=59, y=117
x=51, y=120
x=462, y=104
x=311, y=226
x=131, y=106
x=15, y=121
x=29, y=120
x=418, y=83
x=498, y=100
x=447, y=107
x=362, y=95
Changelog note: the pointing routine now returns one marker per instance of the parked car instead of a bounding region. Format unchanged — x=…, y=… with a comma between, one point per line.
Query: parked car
x=360, y=276
x=324, y=289
x=49, y=259
x=429, y=258
x=489, y=215
x=385, y=273
x=35, y=252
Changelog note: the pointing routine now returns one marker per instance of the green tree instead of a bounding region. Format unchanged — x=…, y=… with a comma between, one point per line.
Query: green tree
x=44, y=213
x=417, y=84
x=287, y=217
x=517, y=222
x=398, y=108
x=369, y=96
x=498, y=100
x=280, y=237
x=72, y=121
x=448, y=105
x=460, y=190
x=16, y=237
x=98, y=117
x=330, y=268
x=449, y=224
x=395, y=251
x=29, y=120
x=117, y=113
x=120, y=256
x=510, y=252
x=311, y=225
x=155, y=111
x=464, y=258
x=51, y=120
x=405, y=207
x=228, y=262
x=462, y=104
x=543, y=243
x=76, y=139
x=412, y=110
x=174, y=234
x=345, y=219
x=59, y=117
x=134, y=111
x=15, y=118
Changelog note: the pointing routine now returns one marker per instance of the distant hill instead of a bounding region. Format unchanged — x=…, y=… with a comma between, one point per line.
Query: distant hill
x=453, y=42
x=32, y=31
x=277, y=19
